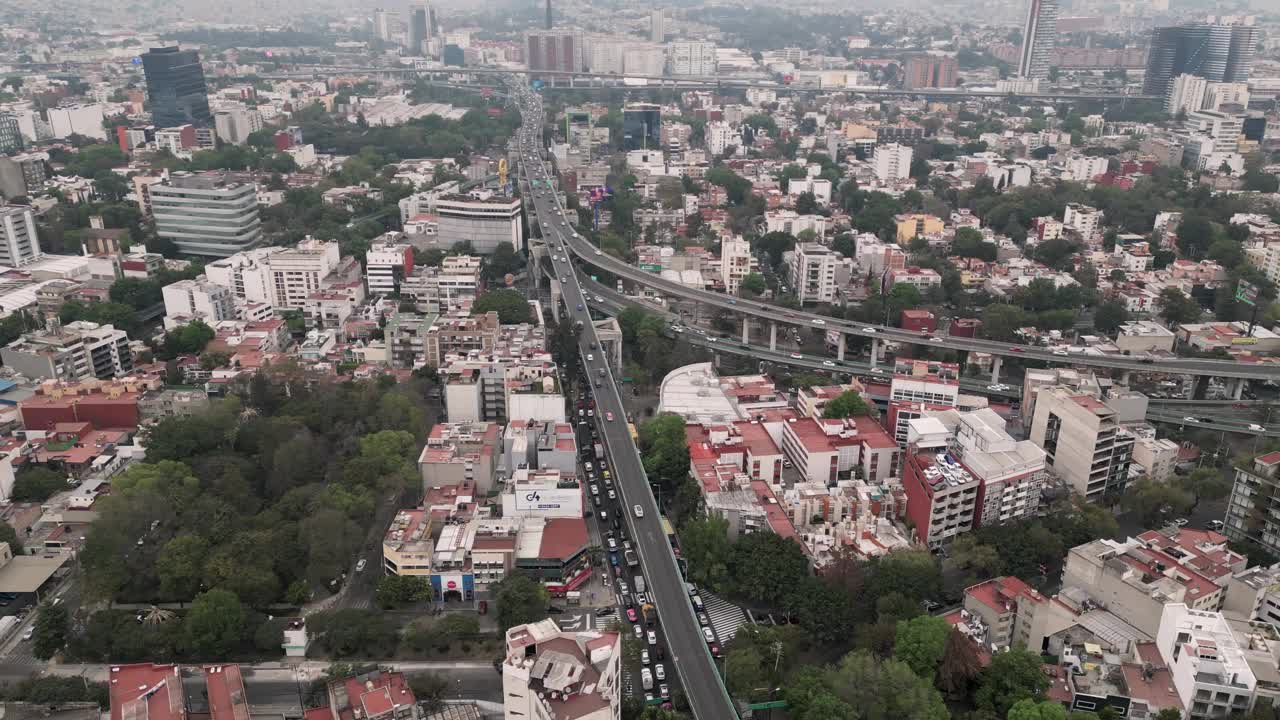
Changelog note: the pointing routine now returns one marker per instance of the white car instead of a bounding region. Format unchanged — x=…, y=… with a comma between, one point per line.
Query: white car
x=360, y=565
x=818, y=321
x=660, y=672
x=1256, y=427
x=1190, y=419
x=797, y=356
x=613, y=545
x=870, y=330
x=935, y=339
x=639, y=631
x=639, y=511
x=599, y=252
x=828, y=363
x=994, y=387
x=707, y=635
x=877, y=371
x=652, y=637
x=591, y=357
x=644, y=656
x=1062, y=353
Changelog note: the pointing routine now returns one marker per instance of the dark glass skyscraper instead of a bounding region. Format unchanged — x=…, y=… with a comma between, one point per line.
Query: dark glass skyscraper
x=641, y=126
x=1217, y=53
x=175, y=85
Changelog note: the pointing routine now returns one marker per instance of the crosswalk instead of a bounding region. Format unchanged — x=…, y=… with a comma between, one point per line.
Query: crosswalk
x=725, y=617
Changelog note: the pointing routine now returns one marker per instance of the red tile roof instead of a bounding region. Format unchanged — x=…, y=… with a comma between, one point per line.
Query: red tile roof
x=562, y=538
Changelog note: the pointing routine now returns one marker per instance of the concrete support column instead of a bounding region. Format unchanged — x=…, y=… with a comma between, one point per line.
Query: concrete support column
x=773, y=336
x=1200, y=388
x=746, y=329
x=840, y=348
x=875, y=351
x=997, y=363
x=1124, y=377
x=1237, y=388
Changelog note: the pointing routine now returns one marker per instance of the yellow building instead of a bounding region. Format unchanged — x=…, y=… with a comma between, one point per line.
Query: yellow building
x=915, y=225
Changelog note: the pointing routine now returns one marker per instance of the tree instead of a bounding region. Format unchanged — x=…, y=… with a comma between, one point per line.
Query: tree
x=190, y=339
x=1195, y=235
x=885, y=689
x=969, y=242
x=902, y=297
x=395, y=591
x=215, y=624
x=137, y=293
x=180, y=566
x=1012, y=676
x=1176, y=308
x=921, y=644
x=743, y=670
x=1205, y=484
x=37, y=484
x=752, y=285
x=960, y=664
x=520, y=601
x=1109, y=316
x=806, y=203
x=503, y=261
x=428, y=689
x=1031, y=710
x=512, y=307
x=848, y=404
x=1001, y=321
x=765, y=568
x=50, y=631
x=775, y=244
x=704, y=544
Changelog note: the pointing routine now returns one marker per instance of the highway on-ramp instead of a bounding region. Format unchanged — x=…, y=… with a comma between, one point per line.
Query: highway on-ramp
x=687, y=652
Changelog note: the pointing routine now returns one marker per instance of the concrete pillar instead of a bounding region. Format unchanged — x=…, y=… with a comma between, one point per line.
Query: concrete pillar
x=1237, y=388
x=997, y=362
x=840, y=348
x=746, y=329
x=1124, y=377
x=773, y=335
x=875, y=351
x=1200, y=388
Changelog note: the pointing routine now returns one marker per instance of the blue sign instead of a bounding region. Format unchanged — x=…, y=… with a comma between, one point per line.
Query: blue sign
x=137, y=61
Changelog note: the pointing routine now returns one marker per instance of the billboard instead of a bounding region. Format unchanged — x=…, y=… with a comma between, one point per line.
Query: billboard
x=567, y=500
x=1247, y=293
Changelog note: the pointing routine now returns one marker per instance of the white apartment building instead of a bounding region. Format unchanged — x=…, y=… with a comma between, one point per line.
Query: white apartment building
x=1186, y=94
x=71, y=120
x=1083, y=219
x=736, y=262
x=692, y=57
x=1083, y=441
x=892, y=163
x=1083, y=168
x=812, y=272
x=1218, y=94
x=206, y=214
x=551, y=673
x=245, y=274
x=234, y=125
x=719, y=135
x=482, y=218
x=1209, y=670
x=1157, y=458
x=1224, y=129
x=793, y=223
x=78, y=351
x=295, y=273
x=198, y=299
x=446, y=287
x=386, y=266
x=19, y=240
x=1012, y=472
x=644, y=59
x=820, y=188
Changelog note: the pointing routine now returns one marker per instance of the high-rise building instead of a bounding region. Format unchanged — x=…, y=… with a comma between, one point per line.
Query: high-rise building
x=930, y=71
x=657, y=26
x=235, y=125
x=418, y=30
x=892, y=162
x=78, y=351
x=19, y=241
x=1039, y=36
x=641, y=126
x=207, y=214
x=384, y=24
x=198, y=299
x=736, y=262
x=481, y=218
x=1083, y=441
x=10, y=135
x=1217, y=52
x=554, y=50
x=176, y=87
x=693, y=57
x=1186, y=94
x=386, y=266
x=812, y=269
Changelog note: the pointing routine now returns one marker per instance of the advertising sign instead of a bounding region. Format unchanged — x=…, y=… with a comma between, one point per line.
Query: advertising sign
x=549, y=499
x=1247, y=293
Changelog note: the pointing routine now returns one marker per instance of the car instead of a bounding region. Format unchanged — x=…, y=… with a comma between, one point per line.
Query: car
x=613, y=544
x=639, y=511
x=818, y=321
x=564, y=279
x=703, y=619
x=993, y=387
x=877, y=371
x=644, y=655
x=828, y=363
x=732, y=301
x=652, y=637
x=715, y=650
x=360, y=565
x=608, y=416
x=580, y=308
x=30, y=633
x=797, y=356
x=660, y=672
x=604, y=579
x=604, y=516
x=1180, y=522
x=597, y=382
x=639, y=631
x=1256, y=427
x=1215, y=525
x=936, y=340
x=598, y=252
x=1190, y=419
x=632, y=615
x=595, y=499
x=595, y=490
x=1060, y=353
x=708, y=635
x=869, y=330
x=697, y=602
x=786, y=463
x=613, y=495
x=591, y=357
x=623, y=587
x=664, y=692
x=1016, y=349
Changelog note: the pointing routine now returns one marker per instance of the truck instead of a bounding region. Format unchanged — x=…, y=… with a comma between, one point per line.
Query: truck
x=599, y=451
x=649, y=613
x=639, y=583
x=632, y=560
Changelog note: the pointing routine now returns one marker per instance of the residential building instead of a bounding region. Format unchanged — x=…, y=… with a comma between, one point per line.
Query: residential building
x=114, y=404
x=554, y=50
x=916, y=225
x=1009, y=610
x=1222, y=128
x=812, y=272
x=386, y=267
x=245, y=274
x=736, y=262
x=920, y=278
x=206, y=214
x=447, y=335
x=234, y=125
x=892, y=163
x=1083, y=441
x=1253, y=509
x=10, y=136
x=543, y=493
x=1011, y=472
x=1134, y=579
x=718, y=136
x=22, y=174
x=176, y=87
x=1157, y=458
x=942, y=496
x=1209, y=671
x=551, y=673
x=1139, y=337
x=445, y=288
x=375, y=695
x=1084, y=168
x=820, y=189
x=1039, y=36
x=1186, y=94
x=461, y=453
x=1218, y=95
x=539, y=445
x=293, y=274
x=692, y=57
x=657, y=25
x=19, y=239
x=482, y=218
x=1085, y=220
x=930, y=71
x=77, y=351
x=197, y=299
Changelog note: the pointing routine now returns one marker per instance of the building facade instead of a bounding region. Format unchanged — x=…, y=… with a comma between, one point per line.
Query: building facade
x=481, y=218
x=176, y=87
x=1039, y=37
x=206, y=214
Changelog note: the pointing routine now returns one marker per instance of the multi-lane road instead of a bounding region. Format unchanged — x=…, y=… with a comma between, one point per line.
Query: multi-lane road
x=687, y=652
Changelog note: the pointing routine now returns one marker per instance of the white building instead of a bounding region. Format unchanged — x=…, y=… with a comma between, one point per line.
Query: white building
x=692, y=57
x=1083, y=168
x=1083, y=219
x=1157, y=458
x=644, y=59
x=1186, y=94
x=481, y=218
x=736, y=262
x=386, y=266
x=245, y=275
x=820, y=188
x=234, y=125
x=892, y=163
x=206, y=214
x=446, y=287
x=71, y=120
x=1210, y=672
x=813, y=273
x=1218, y=94
x=19, y=240
x=719, y=135
x=793, y=223
x=1084, y=442
x=550, y=673
x=295, y=273
x=1224, y=129
x=198, y=299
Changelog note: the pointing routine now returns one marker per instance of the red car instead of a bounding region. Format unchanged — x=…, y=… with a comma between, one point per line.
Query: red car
x=608, y=416
x=1015, y=349
x=715, y=650
x=631, y=614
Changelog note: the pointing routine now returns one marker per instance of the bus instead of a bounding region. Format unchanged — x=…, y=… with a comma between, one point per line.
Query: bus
x=635, y=436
